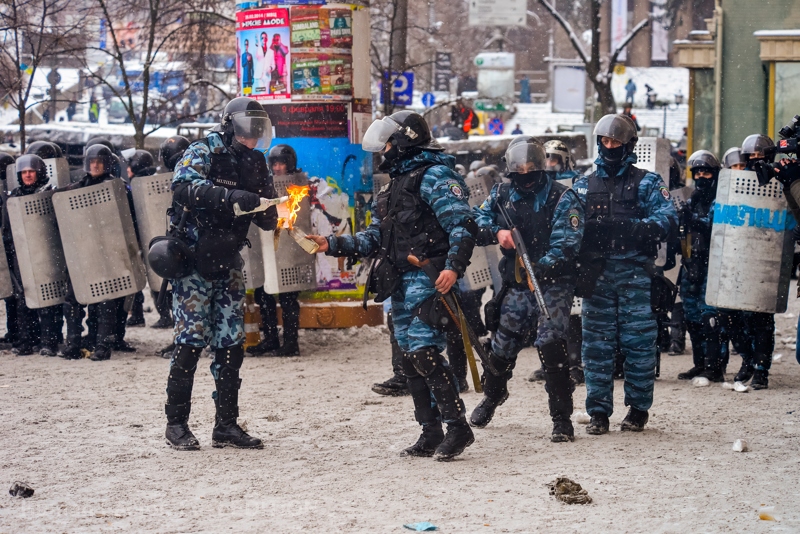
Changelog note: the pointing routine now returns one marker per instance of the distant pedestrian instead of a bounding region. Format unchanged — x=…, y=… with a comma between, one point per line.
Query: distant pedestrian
x=525, y=90
x=517, y=130
x=628, y=112
x=630, y=91
x=651, y=97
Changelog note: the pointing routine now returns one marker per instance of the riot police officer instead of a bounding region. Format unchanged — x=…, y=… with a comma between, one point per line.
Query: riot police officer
x=559, y=160
x=733, y=159
x=36, y=327
x=702, y=320
x=549, y=216
x=425, y=189
x=141, y=163
x=628, y=212
x=214, y=175
x=282, y=160
x=98, y=164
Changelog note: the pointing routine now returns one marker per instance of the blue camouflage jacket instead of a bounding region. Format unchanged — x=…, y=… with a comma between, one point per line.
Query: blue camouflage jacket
x=653, y=196
x=567, y=232
x=442, y=188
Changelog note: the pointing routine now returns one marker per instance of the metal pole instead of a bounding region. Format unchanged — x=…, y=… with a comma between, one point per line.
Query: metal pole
x=397, y=63
x=664, y=131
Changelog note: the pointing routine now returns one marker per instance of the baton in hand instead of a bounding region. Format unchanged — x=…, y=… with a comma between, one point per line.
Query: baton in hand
x=525, y=261
x=451, y=305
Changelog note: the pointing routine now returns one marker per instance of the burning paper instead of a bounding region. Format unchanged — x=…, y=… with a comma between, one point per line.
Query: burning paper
x=289, y=211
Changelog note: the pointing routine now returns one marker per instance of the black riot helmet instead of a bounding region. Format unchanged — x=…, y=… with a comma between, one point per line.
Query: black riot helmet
x=170, y=257
x=758, y=146
x=405, y=129
x=99, y=153
x=244, y=117
x=35, y=163
x=283, y=154
x=526, y=163
x=733, y=156
x=703, y=160
x=5, y=161
x=45, y=150
x=99, y=141
x=172, y=150
x=460, y=169
x=142, y=163
x=621, y=129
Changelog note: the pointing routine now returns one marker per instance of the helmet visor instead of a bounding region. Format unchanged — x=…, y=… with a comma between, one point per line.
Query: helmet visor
x=253, y=125
x=615, y=127
x=525, y=157
x=100, y=164
x=378, y=134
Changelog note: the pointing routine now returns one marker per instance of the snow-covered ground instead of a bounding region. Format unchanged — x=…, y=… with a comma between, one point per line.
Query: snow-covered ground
x=89, y=438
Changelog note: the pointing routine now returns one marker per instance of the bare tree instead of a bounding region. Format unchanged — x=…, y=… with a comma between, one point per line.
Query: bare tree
x=143, y=35
x=33, y=33
x=599, y=67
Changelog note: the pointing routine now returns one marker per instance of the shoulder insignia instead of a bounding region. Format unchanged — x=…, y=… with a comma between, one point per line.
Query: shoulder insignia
x=456, y=189
x=664, y=192
x=574, y=219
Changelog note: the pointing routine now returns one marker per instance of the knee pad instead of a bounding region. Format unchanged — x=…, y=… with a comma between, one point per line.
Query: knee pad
x=409, y=371
x=502, y=365
x=554, y=356
x=185, y=359
x=711, y=325
x=230, y=357
x=426, y=361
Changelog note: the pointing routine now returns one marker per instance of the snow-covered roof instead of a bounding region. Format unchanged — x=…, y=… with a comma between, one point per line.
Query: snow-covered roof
x=777, y=33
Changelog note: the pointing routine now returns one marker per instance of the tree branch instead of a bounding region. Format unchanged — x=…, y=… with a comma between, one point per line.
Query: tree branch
x=617, y=51
x=576, y=44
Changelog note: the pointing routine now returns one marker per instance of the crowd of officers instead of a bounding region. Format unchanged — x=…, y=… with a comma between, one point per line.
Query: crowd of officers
x=594, y=236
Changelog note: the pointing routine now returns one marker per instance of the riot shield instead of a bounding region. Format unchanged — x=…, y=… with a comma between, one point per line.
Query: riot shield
x=478, y=275
x=479, y=189
x=751, y=254
x=289, y=268
x=6, y=287
x=40, y=256
x=152, y=196
x=252, y=255
x=654, y=154
x=103, y=256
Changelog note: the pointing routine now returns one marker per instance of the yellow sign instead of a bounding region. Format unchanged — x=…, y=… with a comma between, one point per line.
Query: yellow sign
x=619, y=69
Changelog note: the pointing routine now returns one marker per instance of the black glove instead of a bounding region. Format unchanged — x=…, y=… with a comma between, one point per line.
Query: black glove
x=788, y=170
x=621, y=228
x=246, y=200
x=646, y=232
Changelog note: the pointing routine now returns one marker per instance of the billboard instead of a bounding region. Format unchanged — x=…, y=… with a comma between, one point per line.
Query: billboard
x=263, y=55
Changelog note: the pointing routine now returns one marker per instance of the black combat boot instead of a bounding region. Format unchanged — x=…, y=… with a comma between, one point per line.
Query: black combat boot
x=576, y=374
x=227, y=433
x=698, y=352
x=102, y=352
x=443, y=386
x=598, y=425
x=163, y=323
x=559, y=387
x=537, y=375
x=425, y=414
x=634, y=421
x=745, y=372
x=495, y=390
x=71, y=352
x=269, y=344
x=459, y=436
x=179, y=399
x=712, y=351
x=760, y=379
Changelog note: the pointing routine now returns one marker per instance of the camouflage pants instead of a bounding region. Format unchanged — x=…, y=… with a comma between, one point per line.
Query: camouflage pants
x=618, y=317
x=694, y=299
x=411, y=332
x=209, y=312
x=519, y=314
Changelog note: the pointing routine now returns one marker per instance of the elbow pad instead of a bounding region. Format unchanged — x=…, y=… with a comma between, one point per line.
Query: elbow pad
x=200, y=196
x=485, y=237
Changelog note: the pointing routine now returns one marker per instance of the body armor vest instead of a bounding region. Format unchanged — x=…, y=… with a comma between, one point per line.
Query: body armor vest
x=697, y=265
x=408, y=224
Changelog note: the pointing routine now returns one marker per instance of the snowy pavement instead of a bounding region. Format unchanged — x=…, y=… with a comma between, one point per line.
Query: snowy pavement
x=88, y=437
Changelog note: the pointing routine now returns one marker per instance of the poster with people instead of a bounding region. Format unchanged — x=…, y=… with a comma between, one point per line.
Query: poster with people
x=322, y=76
x=263, y=55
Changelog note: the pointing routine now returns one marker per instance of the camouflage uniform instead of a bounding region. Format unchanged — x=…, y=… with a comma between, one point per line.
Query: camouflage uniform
x=443, y=190
x=618, y=315
x=553, y=247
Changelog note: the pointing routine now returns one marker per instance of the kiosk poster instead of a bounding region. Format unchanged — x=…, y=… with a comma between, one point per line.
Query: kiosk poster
x=263, y=54
x=310, y=28
x=322, y=76
x=341, y=27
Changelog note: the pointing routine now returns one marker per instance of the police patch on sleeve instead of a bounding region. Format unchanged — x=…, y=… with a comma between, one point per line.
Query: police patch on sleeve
x=574, y=219
x=456, y=189
x=664, y=192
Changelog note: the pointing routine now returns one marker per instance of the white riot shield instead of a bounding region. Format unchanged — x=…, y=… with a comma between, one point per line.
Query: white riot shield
x=290, y=268
x=751, y=252
x=577, y=306
x=103, y=256
x=654, y=154
x=479, y=189
x=152, y=196
x=253, y=269
x=6, y=287
x=478, y=275
x=40, y=256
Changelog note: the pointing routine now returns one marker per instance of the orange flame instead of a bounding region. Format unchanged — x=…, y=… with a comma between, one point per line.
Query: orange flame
x=296, y=194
